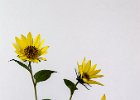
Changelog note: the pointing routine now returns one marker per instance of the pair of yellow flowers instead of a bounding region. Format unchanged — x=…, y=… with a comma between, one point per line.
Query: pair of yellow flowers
x=32, y=50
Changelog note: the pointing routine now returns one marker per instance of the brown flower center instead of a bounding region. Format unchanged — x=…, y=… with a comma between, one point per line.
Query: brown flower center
x=31, y=52
x=86, y=76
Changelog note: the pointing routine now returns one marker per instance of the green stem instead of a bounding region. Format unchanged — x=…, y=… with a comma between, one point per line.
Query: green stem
x=73, y=92
x=71, y=96
x=34, y=83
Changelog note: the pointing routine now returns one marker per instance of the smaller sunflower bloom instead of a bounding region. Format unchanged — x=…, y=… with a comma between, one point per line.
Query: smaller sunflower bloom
x=29, y=49
x=87, y=72
x=103, y=97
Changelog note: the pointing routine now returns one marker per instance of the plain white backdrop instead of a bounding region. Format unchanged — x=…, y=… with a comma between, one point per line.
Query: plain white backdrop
x=105, y=31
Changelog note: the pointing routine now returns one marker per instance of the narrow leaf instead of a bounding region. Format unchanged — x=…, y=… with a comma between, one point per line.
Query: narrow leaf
x=43, y=75
x=21, y=64
x=70, y=85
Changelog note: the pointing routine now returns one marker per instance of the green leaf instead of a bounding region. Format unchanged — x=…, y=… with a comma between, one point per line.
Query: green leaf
x=70, y=85
x=21, y=64
x=43, y=75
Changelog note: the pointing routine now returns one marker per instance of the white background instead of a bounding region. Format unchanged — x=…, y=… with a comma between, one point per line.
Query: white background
x=105, y=31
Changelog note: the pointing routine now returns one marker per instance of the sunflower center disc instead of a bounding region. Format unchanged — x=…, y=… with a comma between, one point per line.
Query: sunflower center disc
x=86, y=76
x=31, y=52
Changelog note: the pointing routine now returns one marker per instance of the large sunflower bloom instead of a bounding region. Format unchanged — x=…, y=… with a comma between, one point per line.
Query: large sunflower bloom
x=87, y=72
x=29, y=49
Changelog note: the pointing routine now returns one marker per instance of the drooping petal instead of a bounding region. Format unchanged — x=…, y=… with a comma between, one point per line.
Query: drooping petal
x=35, y=60
x=23, y=57
x=96, y=76
x=41, y=58
x=92, y=82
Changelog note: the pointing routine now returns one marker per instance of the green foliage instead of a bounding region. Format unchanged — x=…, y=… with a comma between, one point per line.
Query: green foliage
x=70, y=85
x=43, y=75
x=21, y=64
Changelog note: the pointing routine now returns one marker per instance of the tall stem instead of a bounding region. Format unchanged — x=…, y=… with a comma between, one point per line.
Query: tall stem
x=34, y=83
x=73, y=92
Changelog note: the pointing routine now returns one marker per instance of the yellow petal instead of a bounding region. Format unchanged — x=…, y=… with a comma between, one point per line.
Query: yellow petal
x=84, y=61
x=80, y=70
x=86, y=68
x=20, y=43
x=79, y=66
x=92, y=82
x=23, y=37
x=103, y=97
x=17, y=41
x=35, y=60
x=15, y=46
x=44, y=50
x=43, y=53
x=23, y=57
x=92, y=69
x=37, y=41
x=29, y=38
x=94, y=72
x=96, y=76
x=41, y=44
x=41, y=58
x=19, y=53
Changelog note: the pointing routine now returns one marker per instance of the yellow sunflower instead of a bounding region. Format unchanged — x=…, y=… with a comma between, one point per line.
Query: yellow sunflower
x=29, y=49
x=88, y=72
x=103, y=97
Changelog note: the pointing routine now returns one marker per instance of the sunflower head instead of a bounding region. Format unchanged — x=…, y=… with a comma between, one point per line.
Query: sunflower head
x=87, y=72
x=29, y=49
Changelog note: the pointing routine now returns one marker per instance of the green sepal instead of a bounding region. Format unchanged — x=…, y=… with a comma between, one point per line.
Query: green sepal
x=70, y=85
x=43, y=75
x=21, y=64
